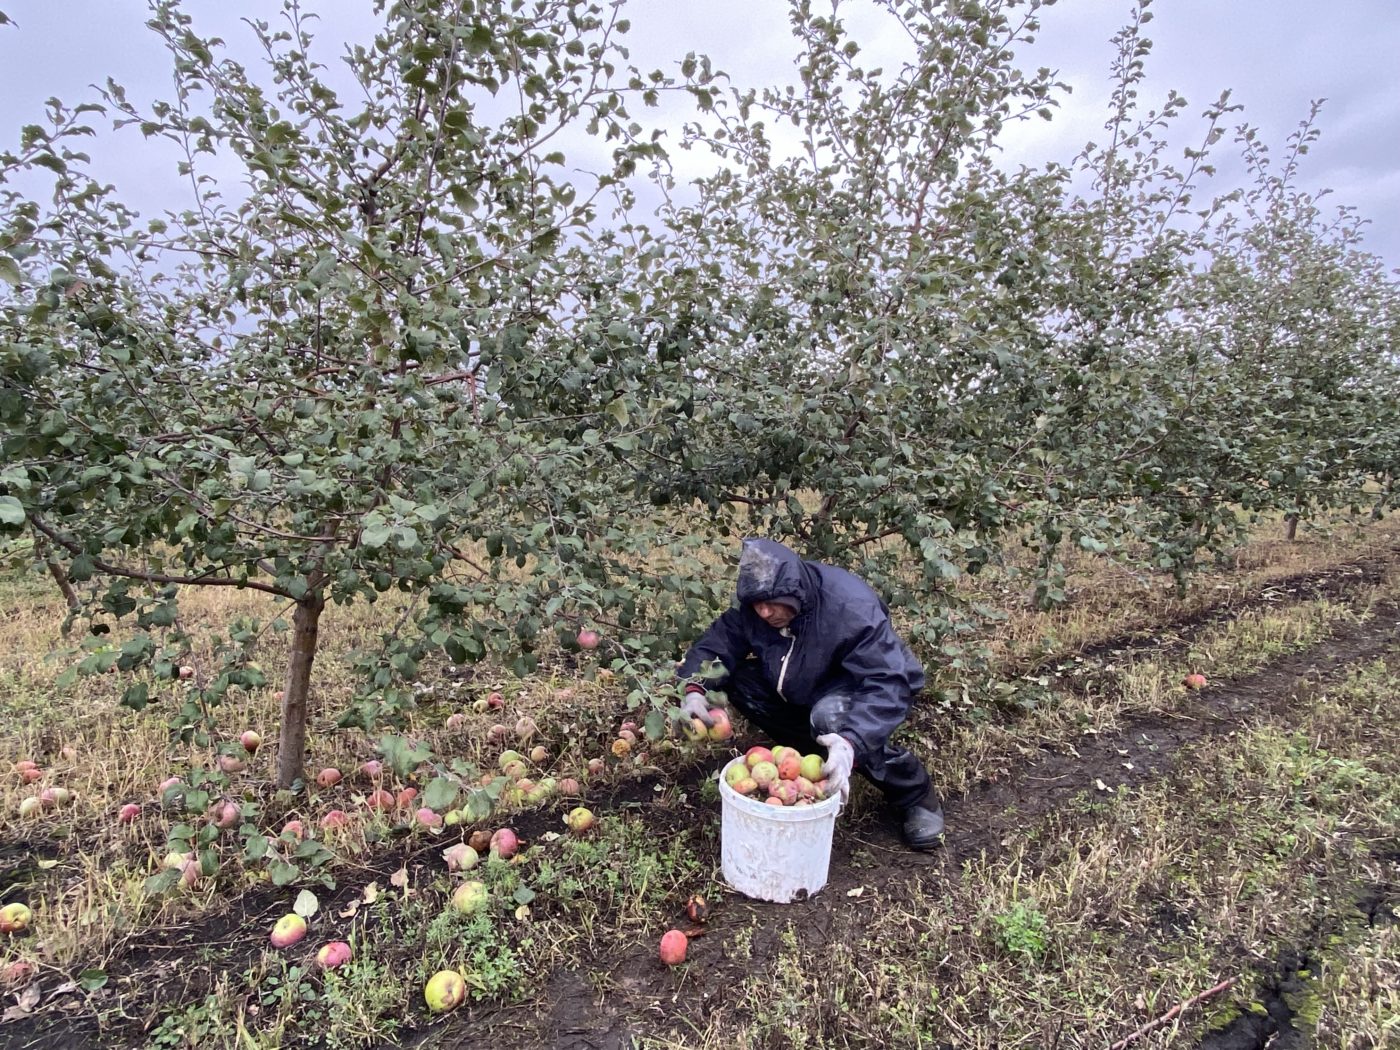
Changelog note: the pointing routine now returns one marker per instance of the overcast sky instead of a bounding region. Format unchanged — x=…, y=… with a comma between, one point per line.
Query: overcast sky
x=1275, y=55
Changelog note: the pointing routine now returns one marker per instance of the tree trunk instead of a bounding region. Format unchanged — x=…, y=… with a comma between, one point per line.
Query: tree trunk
x=60, y=577
x=291, y=740
x=1290, y=526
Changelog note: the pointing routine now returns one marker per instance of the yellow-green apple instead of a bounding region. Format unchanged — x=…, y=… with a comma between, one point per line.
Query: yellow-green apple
x=14, y=918
x=470, y=897
x=445, y=991
x=288, y=930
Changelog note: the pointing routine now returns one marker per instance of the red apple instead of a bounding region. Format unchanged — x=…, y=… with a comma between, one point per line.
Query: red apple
x=380, y=800
x=404, y=799
x=495, y=701
x=186, y=672
x=372, y=770
x=335, y=820
x=570, y=787
x=427, y=818
x=227, y=814
x=31, y=775
x=588, y=639
x=595, y=766
x=329, y=956
x=497, y=734
x=250, y=740
x=128, y=813
x=1195, y=680
x=525, y=727
x=505, y=843
x=190, y=873
x=673, y=946
x=754, y=755
x=722, y=729
x=456, y=722
x=230, y=764
x=328, y=777
x=294, y=829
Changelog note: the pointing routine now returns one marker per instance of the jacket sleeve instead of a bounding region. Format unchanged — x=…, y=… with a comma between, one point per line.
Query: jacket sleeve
x=885, y=683
x=725, y=641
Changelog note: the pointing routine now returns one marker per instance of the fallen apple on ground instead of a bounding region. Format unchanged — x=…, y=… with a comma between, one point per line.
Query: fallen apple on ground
x=329, y=956
x=288, y=930
x=470, y=897
x=580, y=820
x=588, y=639
x=505, y=843
x=1195, y=680
x=445, y=991
x=328, y=777
x=128, y=813
x=697, y=909
x=15, y=918
x=673, y=946
x=460, y=857
x=230, y=764
x=250, y=740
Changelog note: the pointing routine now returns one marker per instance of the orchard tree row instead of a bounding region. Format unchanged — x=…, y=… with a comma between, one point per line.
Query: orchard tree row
x=404, y=340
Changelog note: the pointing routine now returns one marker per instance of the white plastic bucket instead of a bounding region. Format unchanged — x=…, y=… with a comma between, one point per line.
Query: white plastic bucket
x=774, y=853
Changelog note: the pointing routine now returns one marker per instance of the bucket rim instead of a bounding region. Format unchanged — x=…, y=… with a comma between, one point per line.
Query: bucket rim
x=829, y=806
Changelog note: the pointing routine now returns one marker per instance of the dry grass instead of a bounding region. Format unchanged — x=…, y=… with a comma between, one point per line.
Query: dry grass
x=1062, y=939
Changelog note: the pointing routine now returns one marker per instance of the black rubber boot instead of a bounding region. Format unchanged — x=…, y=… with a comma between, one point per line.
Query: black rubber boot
x=923, y=824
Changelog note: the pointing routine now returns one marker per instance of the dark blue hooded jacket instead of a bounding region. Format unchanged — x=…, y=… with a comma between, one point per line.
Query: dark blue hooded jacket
x=841, y=638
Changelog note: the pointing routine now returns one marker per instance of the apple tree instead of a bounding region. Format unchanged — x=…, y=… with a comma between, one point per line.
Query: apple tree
x=354, y=363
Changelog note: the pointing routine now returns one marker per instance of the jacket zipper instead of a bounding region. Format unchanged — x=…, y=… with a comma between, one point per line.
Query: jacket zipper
x=782, y=670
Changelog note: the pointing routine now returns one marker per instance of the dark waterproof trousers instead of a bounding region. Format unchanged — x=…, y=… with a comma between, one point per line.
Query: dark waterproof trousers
x=896, y=771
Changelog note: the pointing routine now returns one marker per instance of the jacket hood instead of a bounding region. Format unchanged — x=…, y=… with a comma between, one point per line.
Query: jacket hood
x=768, y=570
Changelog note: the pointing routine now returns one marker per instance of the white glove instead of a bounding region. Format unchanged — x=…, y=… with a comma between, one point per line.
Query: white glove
x=696, y=705
x=840, y=758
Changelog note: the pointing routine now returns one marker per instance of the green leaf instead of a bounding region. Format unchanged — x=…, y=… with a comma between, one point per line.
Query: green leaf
x=91, y=980
x=306, y=904
x=283, y=873
x=11, y=511
x=617, y=410
x=402, y=757
x=523, y=894
x=161, y=882
x=440, y=793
